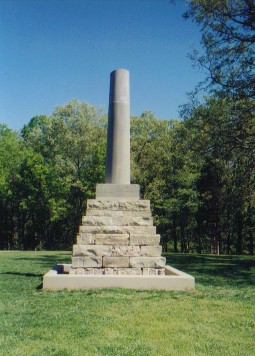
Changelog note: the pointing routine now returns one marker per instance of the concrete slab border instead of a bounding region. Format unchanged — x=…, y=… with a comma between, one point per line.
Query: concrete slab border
x=59, y=278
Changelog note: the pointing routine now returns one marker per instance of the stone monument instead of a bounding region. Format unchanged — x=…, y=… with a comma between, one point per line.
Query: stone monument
x=117, y=235
x=117, y=244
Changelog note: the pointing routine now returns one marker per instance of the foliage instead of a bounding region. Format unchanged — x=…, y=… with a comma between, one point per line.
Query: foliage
x=198, y=174
x=228, y=38
x=58, y=160
x=35, y=321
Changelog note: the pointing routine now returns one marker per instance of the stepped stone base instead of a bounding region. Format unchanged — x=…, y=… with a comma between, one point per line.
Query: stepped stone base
x=117, y=237
x=117, y=247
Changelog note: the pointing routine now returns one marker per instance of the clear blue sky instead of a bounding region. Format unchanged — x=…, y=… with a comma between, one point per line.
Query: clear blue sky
x=52, y=51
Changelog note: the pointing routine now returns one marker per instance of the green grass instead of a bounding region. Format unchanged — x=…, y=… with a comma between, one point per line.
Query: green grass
x=215, y=319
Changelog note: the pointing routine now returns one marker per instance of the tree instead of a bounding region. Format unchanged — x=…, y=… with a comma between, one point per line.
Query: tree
x=165, y=170
x=228, y=38
x=71, y=143
x=13, y=153
x=226, y=182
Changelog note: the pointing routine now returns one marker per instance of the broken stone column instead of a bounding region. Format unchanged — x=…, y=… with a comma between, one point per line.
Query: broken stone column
x=118, y=133
x=118, y=142
x=117, y=235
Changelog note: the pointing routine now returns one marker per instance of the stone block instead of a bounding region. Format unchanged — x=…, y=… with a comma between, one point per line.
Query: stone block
x=112, y=239
x=111, y=271
x=113, y=230
x=115, y=261
x=92, y=250
x=86, y=261
x=117, y=191
x=136, y=230
x=85, y=239
x=147, y=262
x=89, y=229
x=97, y=221
x=153, y=271
x=72, y=270
x=140, y=230
x=116, y=221
x=102, y=229
x=136, y=221
x=89, y=271
x=108, y=213
x=146, y=240
x=126, y=251
x=118, y=213
x=150, y=251
x=124, y=271
x=129, y=271
x=140, y=205
x=102, y=205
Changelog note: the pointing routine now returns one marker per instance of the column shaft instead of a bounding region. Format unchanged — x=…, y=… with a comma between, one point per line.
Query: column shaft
x=118, y=134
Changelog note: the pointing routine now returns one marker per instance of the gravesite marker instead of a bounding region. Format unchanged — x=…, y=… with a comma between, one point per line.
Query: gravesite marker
x=117, y=244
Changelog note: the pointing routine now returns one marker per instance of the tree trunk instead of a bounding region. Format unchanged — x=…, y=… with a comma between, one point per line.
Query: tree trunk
x=175, y=237
x=251, y=244
x=183, y=241
x=239, y=241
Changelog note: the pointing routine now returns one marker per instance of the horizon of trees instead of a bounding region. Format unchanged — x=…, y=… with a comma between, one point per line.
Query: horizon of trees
x=200, y=180
x=199, y=172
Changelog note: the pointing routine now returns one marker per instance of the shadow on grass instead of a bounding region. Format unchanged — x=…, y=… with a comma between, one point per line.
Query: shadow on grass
x=47, y=260
x=22, y=274
x=216, y=270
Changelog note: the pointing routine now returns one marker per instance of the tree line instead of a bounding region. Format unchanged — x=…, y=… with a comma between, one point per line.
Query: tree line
x=198, y=172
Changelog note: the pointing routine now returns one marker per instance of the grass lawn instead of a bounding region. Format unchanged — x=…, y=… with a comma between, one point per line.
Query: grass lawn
x=218, y=318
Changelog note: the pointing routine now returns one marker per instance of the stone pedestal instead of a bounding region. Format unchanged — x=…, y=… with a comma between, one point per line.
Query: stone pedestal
x=117, y=244
x=117, y=237
x=117, y=192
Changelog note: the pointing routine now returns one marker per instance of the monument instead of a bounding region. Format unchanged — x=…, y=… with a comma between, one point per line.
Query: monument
x=117, y=244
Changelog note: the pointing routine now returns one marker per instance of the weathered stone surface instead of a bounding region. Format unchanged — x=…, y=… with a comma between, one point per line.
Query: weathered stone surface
x=87, y=271
x=85, y=239
x=137, y=230
x=112, y=239
x=126, y=251
x=92, y=250
x=139, y=205
x=124, y=271
x=118, y=192
x=116, y=221
x=150, y=251
x=118, y=213
x=102, y=205
x=109, y=213
x=147, y=262
x=102, y=229
x=129, y=271
x=111, y=271
x=98, y=221
x=140, y=230
x=89, y=229
x=115, y=261
x=150, y=240
x=72, y=270
x=153, y=271
x=86, y=261
x=136, y=221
